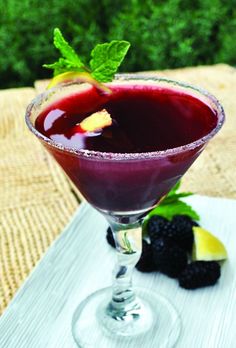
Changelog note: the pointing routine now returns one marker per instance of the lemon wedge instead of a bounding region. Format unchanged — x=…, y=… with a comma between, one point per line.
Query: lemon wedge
x=207, y=247
x=80, y=77
x=98, y=120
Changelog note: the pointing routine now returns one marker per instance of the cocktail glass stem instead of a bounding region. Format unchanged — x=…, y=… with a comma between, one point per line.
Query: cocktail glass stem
x=124, y=304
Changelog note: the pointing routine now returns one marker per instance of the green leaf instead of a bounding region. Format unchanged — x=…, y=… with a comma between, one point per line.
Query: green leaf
x=61, y=66
x=106, y=58
x=175, y=197
x=66, y=50
x=69, y=61
x=174, y=188
x=176, y=208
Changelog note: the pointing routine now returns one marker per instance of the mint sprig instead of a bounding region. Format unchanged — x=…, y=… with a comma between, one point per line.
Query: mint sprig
x=105, y=58
x=172, y=205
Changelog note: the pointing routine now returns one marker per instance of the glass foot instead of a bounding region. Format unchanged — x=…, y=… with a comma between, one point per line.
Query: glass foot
x=155, y=323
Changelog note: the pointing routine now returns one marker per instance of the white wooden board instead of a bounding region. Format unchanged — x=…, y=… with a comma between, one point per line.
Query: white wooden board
x=80, y=262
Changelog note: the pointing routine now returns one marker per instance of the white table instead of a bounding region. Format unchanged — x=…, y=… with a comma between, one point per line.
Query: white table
x=80, y=262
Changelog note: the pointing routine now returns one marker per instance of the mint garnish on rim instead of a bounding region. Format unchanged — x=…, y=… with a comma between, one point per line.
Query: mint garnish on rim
x=105, y=58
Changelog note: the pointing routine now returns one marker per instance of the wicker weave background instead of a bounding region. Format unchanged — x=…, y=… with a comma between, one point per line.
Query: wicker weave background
x=37, y=200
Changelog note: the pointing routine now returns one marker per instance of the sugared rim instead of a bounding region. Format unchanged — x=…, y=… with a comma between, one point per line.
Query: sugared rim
x=129, y=156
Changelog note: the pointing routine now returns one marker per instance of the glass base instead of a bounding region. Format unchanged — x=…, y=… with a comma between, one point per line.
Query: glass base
x=156, y=324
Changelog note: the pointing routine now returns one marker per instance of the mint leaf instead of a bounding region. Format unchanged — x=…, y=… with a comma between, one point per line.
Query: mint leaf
x=106, y=58
x=61, y=66
x=69, y=61
x=176, y=208
x=66, y=50
x=174, y=188
x=174, y=197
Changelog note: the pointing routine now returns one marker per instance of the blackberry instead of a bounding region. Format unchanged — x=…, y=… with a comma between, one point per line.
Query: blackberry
x=199, y=274
x=145, y=263
x=183, y=226
x=110, y=238
x=183, y=220
x=179, y=232
x=169, y=259
x=155, y=225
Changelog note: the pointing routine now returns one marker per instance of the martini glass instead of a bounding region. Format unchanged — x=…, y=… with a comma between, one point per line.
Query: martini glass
x=124, y=187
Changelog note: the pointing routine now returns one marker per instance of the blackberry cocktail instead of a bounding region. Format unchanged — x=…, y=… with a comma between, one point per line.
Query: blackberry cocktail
x=158, y=128
x=145, y=119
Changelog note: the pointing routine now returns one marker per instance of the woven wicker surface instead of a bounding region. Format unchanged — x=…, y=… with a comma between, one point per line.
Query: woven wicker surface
x=37, y=200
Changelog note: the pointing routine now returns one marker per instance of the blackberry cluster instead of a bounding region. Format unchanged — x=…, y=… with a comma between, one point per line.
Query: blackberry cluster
x=145, y=263
x=109, y=237
x=171, y=243
x=199, y=273
x=156, y=225
x=168, y=258
x=179, y=230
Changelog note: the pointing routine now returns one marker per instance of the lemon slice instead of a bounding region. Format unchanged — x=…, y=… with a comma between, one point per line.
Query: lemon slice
x=207, y=247
x=98, y=120
x=80, y=77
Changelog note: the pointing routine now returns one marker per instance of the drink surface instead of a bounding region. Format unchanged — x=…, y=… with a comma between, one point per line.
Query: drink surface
x=145, y=119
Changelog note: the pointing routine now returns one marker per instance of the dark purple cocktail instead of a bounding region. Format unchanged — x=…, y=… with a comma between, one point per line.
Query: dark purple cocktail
x=159, y=127
x=146, y=119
